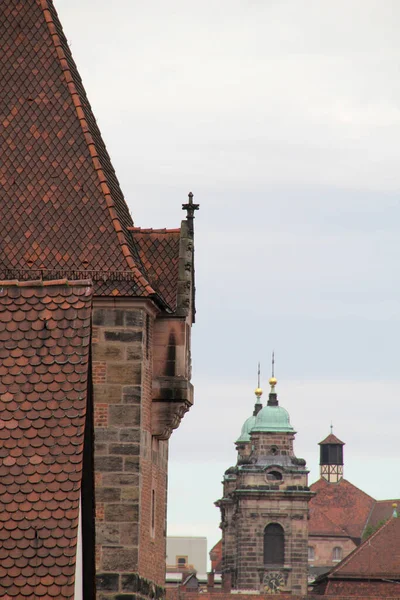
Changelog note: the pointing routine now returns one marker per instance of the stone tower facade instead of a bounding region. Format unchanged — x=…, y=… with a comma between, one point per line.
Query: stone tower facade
x=264, y=508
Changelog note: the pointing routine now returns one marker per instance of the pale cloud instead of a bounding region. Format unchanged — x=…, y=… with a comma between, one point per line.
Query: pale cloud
x=283, y=117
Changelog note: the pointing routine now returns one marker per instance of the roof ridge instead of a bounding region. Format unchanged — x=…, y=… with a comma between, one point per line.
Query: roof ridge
x=357, y=488
x=359, y=548
x=55, y=30
x=151, y=230
x=45, y=283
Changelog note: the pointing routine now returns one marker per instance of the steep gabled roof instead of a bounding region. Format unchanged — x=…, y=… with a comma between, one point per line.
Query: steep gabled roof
x=377, y=557
x=345, y=504
x=61, y=206
x=44, y=350
x=158, y=250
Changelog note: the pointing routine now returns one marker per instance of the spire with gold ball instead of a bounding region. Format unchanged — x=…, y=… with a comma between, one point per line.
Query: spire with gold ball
x=273, y=397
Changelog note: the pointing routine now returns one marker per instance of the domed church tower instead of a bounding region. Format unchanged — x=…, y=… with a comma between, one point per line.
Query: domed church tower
x=264, y=508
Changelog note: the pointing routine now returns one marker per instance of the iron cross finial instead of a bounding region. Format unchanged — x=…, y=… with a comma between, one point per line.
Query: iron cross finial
x=190, y=208
x=331, y=427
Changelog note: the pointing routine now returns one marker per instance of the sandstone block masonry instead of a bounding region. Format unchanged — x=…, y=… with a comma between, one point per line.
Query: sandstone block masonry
x=130, y=467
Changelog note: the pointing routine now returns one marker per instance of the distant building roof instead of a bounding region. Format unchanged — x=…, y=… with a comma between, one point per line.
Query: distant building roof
x=373, y=568
x=323, y=525
x=381, y=511
x=331, y=439
x=344, y=504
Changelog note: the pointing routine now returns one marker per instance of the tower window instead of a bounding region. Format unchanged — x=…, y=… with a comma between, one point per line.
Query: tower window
x=337, y=554
x=311, y=553
x=274, y=476
x=331, y=454
x=181, y=561
x=274, y=544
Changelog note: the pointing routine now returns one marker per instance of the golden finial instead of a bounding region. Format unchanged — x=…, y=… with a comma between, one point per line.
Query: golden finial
x=258, y=392
x=394, y=505
x=273, y=380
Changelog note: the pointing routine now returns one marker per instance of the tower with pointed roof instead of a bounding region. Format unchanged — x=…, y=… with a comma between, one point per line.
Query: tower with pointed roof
x=341, y=514
x=331, y=458
x=65, y=224
x=264, y=507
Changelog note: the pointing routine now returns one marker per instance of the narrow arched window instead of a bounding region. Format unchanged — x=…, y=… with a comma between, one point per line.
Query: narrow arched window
x=274, y=545
x=337, y=554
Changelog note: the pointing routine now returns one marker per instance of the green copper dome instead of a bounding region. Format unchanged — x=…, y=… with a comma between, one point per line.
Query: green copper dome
x=247, y=427
x=272, y=419
x=249, y=423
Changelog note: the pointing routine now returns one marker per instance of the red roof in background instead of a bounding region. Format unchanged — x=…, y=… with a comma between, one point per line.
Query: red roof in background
x=382, y=510
x=321, y=524
x=158, y=250
x=61, y=206
x=346, y=505
x=377, y=557
x=44, y=348
x=331, y=439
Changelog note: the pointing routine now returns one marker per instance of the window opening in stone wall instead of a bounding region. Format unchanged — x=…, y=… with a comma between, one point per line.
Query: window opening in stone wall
x=311, y=553
x=181, y=561
x=153, y=513
x=337, y=554
x=274, y=476
x=274, y=544
x=147, y=335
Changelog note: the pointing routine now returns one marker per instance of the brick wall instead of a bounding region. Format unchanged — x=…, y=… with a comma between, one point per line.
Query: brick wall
x=153, y=468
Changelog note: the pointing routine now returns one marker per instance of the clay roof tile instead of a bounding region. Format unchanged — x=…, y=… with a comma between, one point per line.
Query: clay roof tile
x=39, y=493
x=61, y=203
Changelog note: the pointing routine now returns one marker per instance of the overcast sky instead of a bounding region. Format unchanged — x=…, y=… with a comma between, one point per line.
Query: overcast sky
x=283, y=118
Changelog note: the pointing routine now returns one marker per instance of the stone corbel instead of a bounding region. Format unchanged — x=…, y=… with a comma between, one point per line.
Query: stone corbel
x=172, y=398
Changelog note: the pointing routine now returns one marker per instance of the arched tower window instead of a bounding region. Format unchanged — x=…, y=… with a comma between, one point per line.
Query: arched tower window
x=274, y=545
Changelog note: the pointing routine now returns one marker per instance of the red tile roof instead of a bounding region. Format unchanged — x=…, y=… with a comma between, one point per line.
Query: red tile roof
x=44, y=348
x=377, y=557
x=346, y=505
x=158, y=250
x=331, y=439
x=321, y=524
x=61, y=206
x=382, y=510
